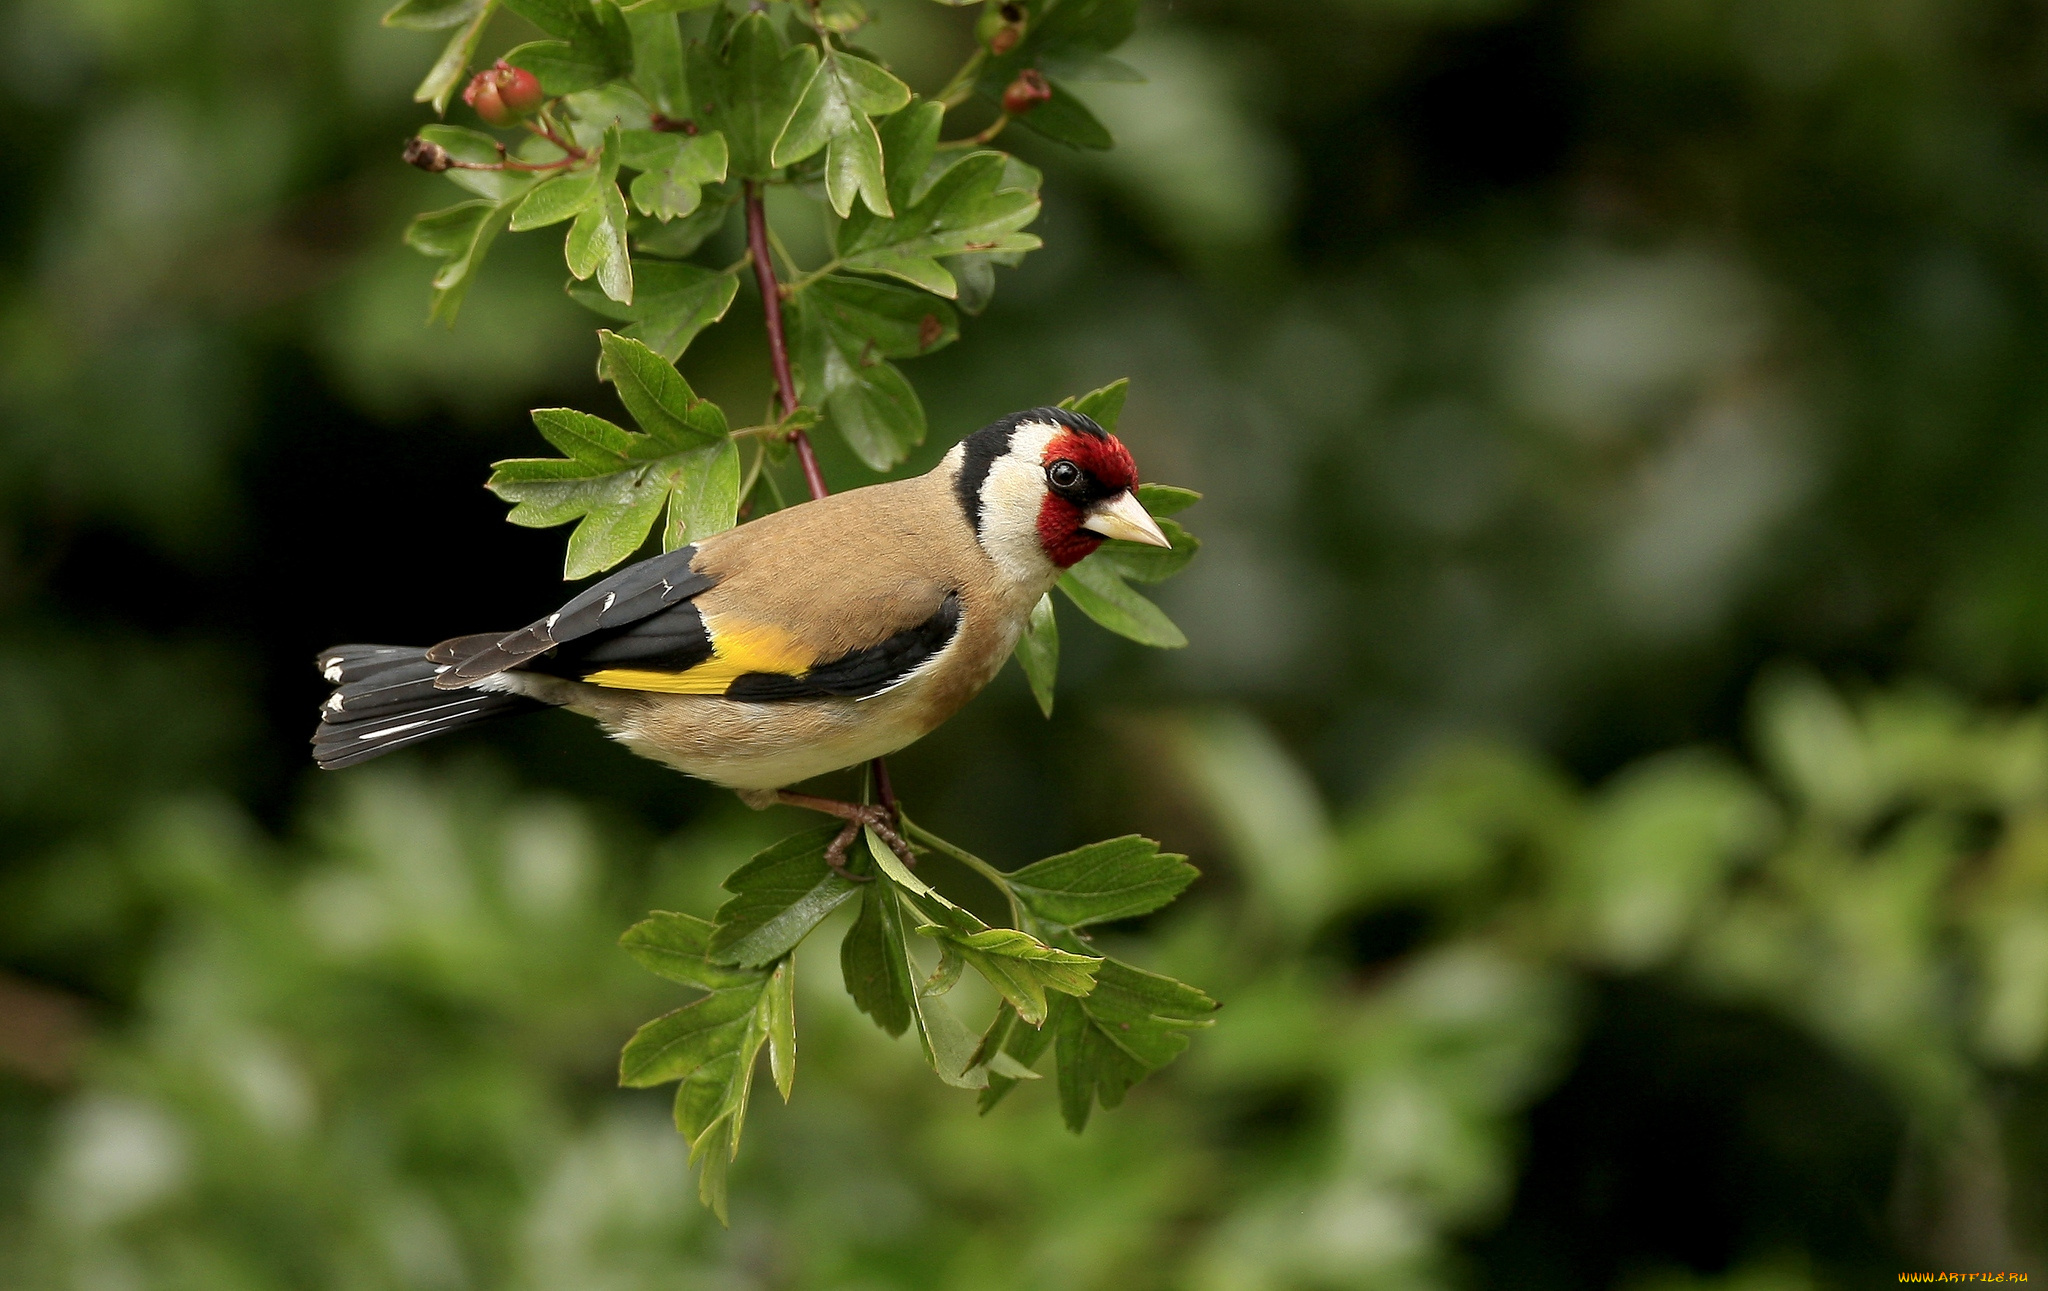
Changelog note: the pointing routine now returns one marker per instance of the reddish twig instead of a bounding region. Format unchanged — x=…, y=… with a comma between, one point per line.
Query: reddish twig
x=785, y=386
x=778, y=346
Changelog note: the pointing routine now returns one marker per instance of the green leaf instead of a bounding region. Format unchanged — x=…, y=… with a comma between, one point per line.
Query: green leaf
x=657, y=396
x=1104, y=406
x=670, y=6
x=948, y=1045
x=968, y=208
x=592, y=44
x=910, y=140
x=778, y=897
x=1038, y=652
x=564, y=67
x=846, y=331
x=675, y=1045
x=877, y=974
x=683, y=235
x=597, y=240
x=658, y=68
x=842, y=17
x=432, y=15
x=1102, y=595
x=479, y=148
x=781, y=1005
x=674, y=171
x=750, y=89
x=1020, y=966
x=556, y=199
x=461, y=236
x=1163, y=500
x=1149, y=564
x=615, y=482
x=1063, y=118
x=447, y=72
x=1009, y=1049
x=671, y=304
x=834, y=114
x=677, y=947
x=1118, y=879
x=564, y=19
x=1130, y=1025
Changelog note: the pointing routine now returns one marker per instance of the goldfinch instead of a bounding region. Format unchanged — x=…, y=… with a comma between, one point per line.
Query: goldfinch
x=811, y=639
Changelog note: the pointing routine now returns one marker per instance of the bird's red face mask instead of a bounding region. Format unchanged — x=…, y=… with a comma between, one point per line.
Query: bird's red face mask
x=1088, y=497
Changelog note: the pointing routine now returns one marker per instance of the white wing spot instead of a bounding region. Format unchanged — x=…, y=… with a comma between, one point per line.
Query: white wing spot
x=333, y=671
x=334, y=703
x=609, y=598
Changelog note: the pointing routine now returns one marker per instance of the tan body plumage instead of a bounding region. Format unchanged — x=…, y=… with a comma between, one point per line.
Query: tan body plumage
x=834, y=575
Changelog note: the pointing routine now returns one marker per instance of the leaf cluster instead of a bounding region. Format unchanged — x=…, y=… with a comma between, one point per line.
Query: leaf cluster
x=1113, y=1023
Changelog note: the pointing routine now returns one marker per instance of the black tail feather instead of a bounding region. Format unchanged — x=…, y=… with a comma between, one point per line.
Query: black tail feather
x=385, y=699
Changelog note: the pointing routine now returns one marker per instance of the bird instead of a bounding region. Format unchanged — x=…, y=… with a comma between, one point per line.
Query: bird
x=802, y=642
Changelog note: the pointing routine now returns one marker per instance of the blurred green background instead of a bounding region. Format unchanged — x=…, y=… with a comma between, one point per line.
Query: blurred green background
x=1609, y=734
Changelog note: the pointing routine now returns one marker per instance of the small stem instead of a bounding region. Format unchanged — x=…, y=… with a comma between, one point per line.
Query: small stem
x=962, y=84
x=512, y=164
x=815, y=274
x=789, y=264
x=971, y=861
x=545, y=128
x=976, y=140
x=778, y=347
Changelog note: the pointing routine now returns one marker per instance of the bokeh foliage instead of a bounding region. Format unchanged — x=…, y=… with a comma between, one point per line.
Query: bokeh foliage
x=1549, y=370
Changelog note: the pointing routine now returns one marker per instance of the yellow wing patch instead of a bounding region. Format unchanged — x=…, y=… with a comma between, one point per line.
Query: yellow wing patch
x=737, y=648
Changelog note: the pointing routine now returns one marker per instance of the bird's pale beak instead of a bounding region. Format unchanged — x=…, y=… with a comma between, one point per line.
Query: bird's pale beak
x=1123, y=516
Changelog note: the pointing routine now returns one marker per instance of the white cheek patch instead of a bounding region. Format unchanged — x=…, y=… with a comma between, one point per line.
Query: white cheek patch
x=1011, y=498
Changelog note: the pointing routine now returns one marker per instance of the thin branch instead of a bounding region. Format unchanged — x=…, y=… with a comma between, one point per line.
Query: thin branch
x=976, y=140
x=962, y=85
x=971, y=861
x=778, y=345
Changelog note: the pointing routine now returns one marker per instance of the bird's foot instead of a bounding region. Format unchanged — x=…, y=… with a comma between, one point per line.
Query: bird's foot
x=835, y=855
x=857, y=815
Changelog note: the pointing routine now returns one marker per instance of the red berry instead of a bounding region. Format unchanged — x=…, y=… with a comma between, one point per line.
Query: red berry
x=503, y=94
x=1026, y=92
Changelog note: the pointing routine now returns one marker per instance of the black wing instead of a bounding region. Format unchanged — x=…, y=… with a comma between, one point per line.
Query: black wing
x=632, y=596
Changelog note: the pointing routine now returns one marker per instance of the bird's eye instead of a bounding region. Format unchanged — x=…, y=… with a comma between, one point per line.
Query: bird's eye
x=1063, y=474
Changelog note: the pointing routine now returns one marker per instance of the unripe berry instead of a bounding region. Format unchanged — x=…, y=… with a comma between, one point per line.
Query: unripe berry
x=1002, y=26
x=503, y=94
x=1026, y=92
x=431, y=157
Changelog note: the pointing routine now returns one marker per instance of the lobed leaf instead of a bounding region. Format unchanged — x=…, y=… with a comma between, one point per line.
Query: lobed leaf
x=658, y=67
x=876, y=975
x=1102, y=882
x=1020, y=966
x=671, y=304
x=845, y=332
x=614, y=483
x=1008, y=1050
x=781, y=1008
x=778, y=898
x=674, y=170
x=1130, y=1025
x=460, y=236
x=677, y=947
x=883, y=979
x=684, y=234
x=555, y=199
x=968, y=208
x=835, y=114
x=748, y=89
